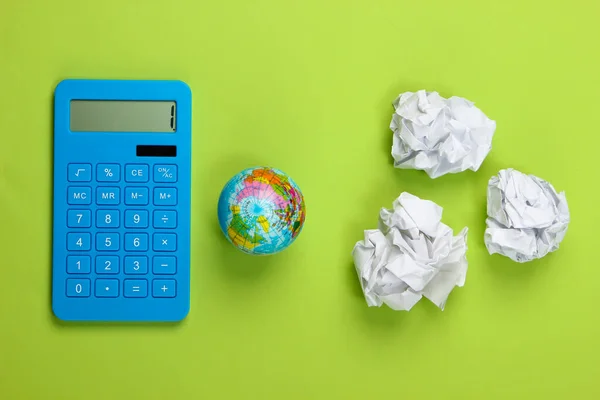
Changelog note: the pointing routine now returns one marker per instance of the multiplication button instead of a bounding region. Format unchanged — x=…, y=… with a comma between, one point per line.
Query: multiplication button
x=164, y=242
x=166, y=173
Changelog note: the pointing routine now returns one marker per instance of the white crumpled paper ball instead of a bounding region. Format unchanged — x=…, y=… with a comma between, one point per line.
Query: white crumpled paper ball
x=527, y=218
x=439, y=135
x=412, y=255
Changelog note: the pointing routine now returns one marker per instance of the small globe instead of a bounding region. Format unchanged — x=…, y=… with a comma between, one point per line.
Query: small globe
x=261, y=210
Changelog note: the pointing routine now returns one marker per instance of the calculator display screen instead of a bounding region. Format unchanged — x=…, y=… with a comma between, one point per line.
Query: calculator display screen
x=123, y=116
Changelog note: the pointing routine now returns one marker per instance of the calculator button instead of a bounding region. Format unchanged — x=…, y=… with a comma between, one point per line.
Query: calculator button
x=108, y=173
x=136, y=173
x=136, y=242
x=79, y=218
x=135, y=265
x=165, y=173
x=164, y=265
x=136, y=196
x=164, y=242
x=78, y=287
x=107, y=288
x=108, y=196
x=165, y=196
x=80, y=172
x=107, y=241
x=164, y=288
x=107, y=218
x=136, y=219
x=107, y=265
x=78, y=265
x=79, y=241
x=135, y=288
x=79, y=195
x=165, y=219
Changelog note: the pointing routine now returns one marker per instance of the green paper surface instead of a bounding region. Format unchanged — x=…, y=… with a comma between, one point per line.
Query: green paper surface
x=307, y=87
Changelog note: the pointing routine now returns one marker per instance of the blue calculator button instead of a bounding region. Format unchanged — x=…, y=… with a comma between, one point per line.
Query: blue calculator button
x=107, y=288
x=165, y=219
x=80, y=172
x=136, y=219
x=108, y=196
x=136, y=242
x=136, y=265
x=79, y=195
x=79, y=218
x=79, y=241
x=107, y=241
x=108, y=173
x=107, y=218
x=165, y=173
x=136, y=173
x=164, y=242
x=107, y=265
x=136, y=196
x=78, y=265
x=164, y=288
x=78, y=287
x=164, y=265
x=165, y=196
x=135, y=288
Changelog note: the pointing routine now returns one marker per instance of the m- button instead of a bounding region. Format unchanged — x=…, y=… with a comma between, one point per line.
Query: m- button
x=136, y=173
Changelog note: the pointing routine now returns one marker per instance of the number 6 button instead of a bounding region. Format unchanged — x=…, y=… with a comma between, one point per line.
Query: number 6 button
x=136, y=242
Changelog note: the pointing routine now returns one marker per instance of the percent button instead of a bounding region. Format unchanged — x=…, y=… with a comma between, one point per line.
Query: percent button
x=165, y=173
x=108, y=173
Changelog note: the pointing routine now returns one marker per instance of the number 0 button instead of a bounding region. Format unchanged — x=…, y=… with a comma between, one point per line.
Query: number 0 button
x=78, y=287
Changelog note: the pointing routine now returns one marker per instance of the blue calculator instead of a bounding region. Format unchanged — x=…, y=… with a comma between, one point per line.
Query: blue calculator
x=122, y=178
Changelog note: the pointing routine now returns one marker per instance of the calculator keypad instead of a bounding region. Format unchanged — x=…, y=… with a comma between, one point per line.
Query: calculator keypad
x=121, y=238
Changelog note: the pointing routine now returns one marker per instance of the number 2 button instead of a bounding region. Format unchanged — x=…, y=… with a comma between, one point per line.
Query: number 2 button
x=107, y=265
x=107, y=241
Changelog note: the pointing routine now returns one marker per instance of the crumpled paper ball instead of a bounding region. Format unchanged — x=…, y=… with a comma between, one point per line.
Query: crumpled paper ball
x=438, y=135
x=527, y=218
x=411, y=255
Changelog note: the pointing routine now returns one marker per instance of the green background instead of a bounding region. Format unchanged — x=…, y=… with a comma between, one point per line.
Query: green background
x=306, y=86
